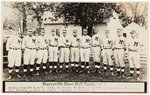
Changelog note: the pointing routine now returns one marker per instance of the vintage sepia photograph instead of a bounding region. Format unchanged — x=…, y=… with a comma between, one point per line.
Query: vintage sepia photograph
x=75, y=46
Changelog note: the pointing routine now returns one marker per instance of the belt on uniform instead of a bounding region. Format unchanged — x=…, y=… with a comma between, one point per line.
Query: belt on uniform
x=119, y=48
x=75, y=46
x=52, y=46
x=107, y=48
x=96, y=46
x=133, y=50
x=14, y=48
x=85, y=47
x=29, y=48
x=64, y=47
x=42, y=48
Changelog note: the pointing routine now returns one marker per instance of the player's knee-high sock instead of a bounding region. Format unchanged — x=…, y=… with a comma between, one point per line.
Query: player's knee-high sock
x=25, y=68
x=50, y=65
x=55, y=65
x=98, y=65
x=105, y=67
x=87, y=66
x=122, y=70
x=82, y=65
x=138, y=71
x=31, y=68
x=76, y=65
x=72, y=65
x=17, y=69
x=37, y=67
x=118, y=70
x=131, y=71
x=44, y=66
x=67, y=65
x=61, y=65
x=10, y=70
x=111, y=69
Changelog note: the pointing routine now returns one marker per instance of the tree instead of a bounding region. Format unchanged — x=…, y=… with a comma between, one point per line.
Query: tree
x=133, y=12
x=85, y=14
x=23, y=9
x=38, y=9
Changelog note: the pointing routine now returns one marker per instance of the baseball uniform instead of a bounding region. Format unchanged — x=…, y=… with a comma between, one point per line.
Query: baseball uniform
x=53, y=50
x=107, y=52
x=96, y=43
x=42, y=53
x=64, y=44
x=14, y=52
x=119, y=47
x=30, y=45
x=85, y=44
x=134, y=56
x=75, y=50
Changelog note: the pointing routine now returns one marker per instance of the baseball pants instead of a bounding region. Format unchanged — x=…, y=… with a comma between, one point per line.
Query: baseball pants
x=42, y=56
x=134, y=59
x=29, y=56
x=53, y=54
x=85, y=54
x=14, y=58
x=64, y=55
x=96, y=54
x=107, y=56
x=74, y=54
x=119, y=57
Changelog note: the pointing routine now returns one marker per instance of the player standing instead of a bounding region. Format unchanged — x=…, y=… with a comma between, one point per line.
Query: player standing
x=107, y=51
x=13, y=47
x=96, y=47
x=119, y=52
x=29, y=45
x=53, y=50
x=64, y=44
x=85, y=44
x=42, y=53
x=75, y=50
x=134, y=46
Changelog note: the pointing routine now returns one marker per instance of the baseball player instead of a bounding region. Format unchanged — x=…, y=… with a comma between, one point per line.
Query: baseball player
x=29, y=45
x=119, y=51
x=75, y=50
x=107, y=51
x=53, y=50
x=134, y=56
x=96, y=43
x=42, y=53
x=64, y=44
x=13, y=47
x=85, y=44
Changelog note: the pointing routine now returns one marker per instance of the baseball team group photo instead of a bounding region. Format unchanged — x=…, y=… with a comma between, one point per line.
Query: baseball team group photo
x=47, y=41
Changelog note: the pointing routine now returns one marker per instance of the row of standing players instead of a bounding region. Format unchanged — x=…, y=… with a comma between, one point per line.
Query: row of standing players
x=59, y=50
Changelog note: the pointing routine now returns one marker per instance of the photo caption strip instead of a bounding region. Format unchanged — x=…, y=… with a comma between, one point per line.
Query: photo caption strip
x=75, y=87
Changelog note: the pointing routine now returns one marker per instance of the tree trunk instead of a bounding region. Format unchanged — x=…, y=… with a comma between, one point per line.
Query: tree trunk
x=24, y=21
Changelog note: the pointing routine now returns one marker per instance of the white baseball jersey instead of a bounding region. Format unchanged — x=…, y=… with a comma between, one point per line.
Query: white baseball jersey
x=119, y=42
x=64, y=41
x=42, y=42
x=134, y=44
x=96, y=40
x=107, y=42
x=53, y=40
x=85, y=41
x=29, y=42
x=75, y=41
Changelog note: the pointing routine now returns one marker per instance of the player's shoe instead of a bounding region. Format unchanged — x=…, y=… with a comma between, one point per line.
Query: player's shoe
x=88, y=71
x=50, y=71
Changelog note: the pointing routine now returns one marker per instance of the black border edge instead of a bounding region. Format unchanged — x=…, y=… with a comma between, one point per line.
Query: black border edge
x=3, y=86
x=145, y=87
